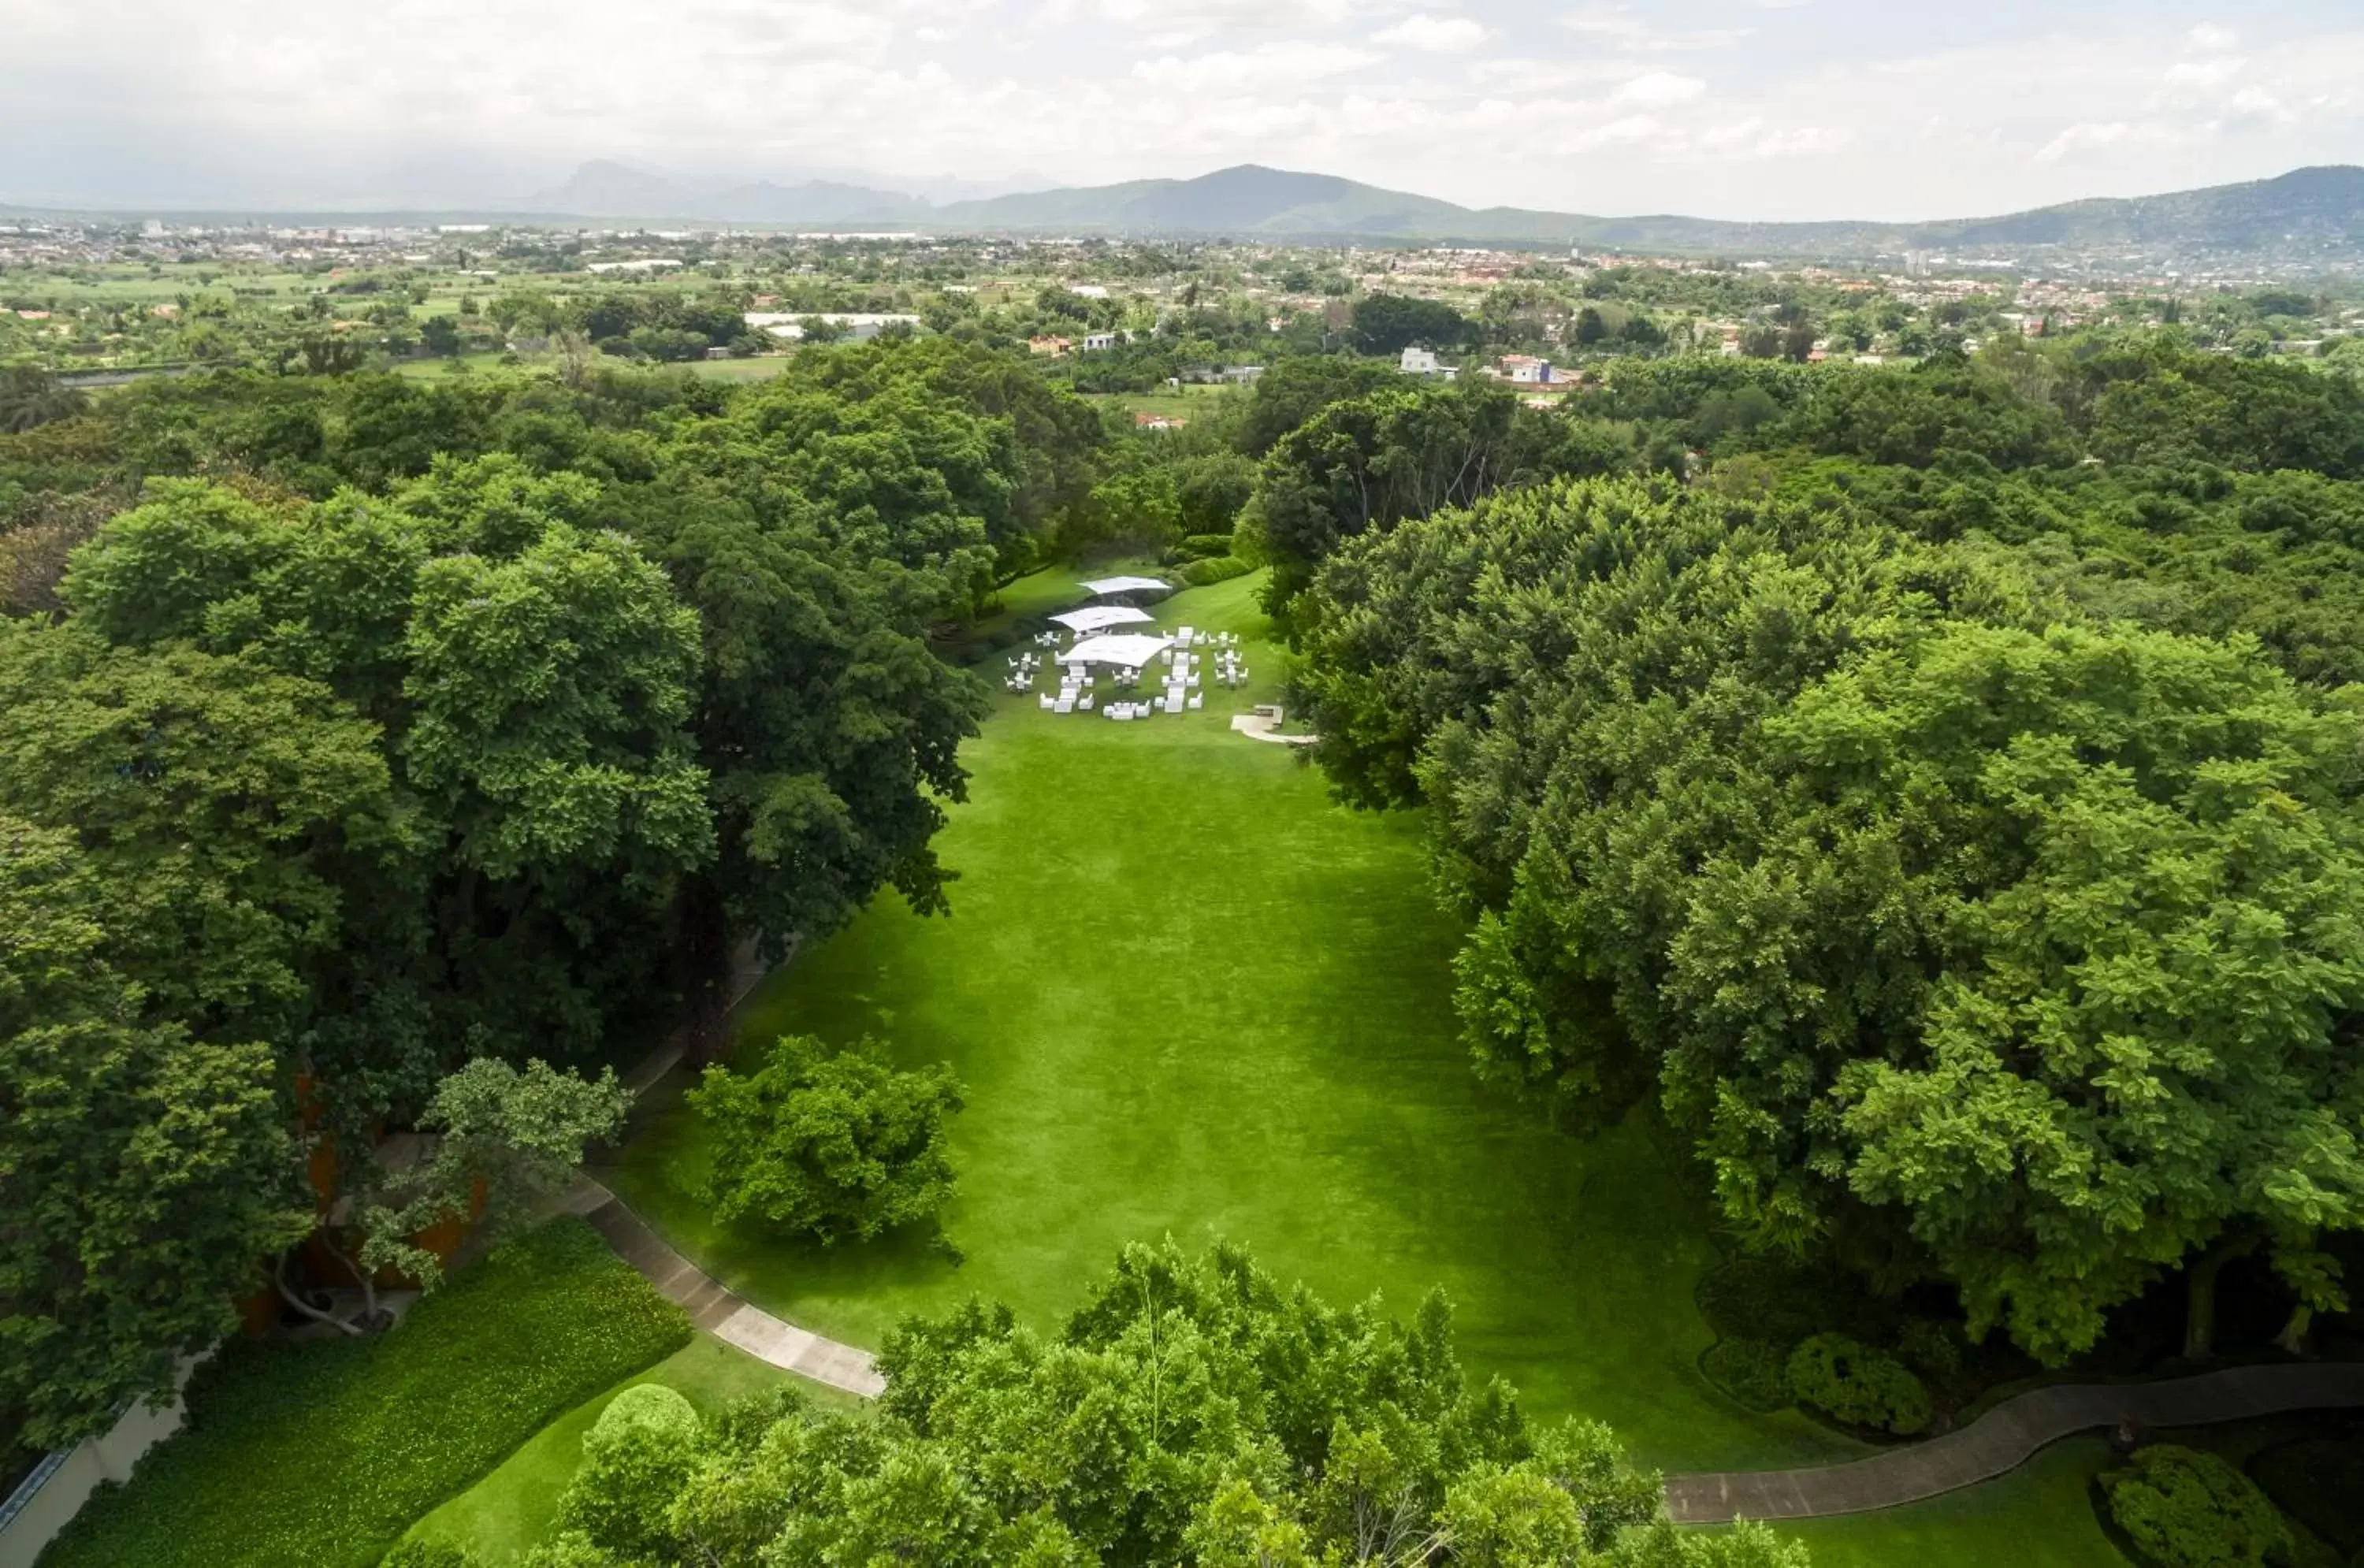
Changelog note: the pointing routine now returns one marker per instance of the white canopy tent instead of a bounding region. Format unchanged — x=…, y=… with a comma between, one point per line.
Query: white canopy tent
x=1099, y=617
x=1129, y=651
x=1107, y=585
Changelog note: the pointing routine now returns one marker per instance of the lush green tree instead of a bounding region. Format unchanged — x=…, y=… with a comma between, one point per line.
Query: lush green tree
x=143, y=1173
x=1190, y=1410
x=835, y=1143
x=31, y=397
x=1296, y=388
x=505, y=1141
x=2017, y=955
x=1386, y=324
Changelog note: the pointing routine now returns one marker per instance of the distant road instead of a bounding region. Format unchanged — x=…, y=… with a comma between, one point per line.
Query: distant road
x=86, y=378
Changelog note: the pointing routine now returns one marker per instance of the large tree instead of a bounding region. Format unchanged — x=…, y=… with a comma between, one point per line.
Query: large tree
x=144, y=1173
x=2014, y=951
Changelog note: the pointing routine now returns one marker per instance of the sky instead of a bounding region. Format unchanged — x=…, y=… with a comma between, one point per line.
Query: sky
x=1753, y=109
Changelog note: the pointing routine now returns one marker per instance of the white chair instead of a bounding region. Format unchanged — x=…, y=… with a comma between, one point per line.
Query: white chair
x=1064, y=704
x=1193, y=680
x=1197, y=701
x=1084, y=705
x=1048, y=701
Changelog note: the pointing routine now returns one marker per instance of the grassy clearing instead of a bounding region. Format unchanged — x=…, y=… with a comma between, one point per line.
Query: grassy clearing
x=1189, y=994
x=501, y=1516
x=320, y=1454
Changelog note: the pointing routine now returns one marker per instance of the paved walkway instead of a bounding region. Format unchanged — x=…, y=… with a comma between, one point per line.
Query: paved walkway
x=1263, y=727
x=714, y=1307
x=2007, y=1436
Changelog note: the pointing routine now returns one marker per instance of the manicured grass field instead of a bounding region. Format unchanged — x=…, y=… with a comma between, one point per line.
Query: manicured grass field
x=1190, y=995
x=501, y=1516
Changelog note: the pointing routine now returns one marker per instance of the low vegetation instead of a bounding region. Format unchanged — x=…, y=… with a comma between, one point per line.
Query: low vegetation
x=320, y=1454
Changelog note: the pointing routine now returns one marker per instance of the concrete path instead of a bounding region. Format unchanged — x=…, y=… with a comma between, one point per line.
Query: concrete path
x=1260, y=726
x=2007, y=1436
x=714, y=1307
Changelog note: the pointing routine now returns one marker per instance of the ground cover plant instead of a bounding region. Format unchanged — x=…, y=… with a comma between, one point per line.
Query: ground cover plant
x=321, y=1454
x=1186, y=993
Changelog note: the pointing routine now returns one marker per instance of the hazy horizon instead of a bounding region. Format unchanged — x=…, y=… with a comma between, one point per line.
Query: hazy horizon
x=1740, y=109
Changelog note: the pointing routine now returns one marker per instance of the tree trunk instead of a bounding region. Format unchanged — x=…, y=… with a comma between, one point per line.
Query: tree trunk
x=702, y=956
x=2200, y=1294
x=2292, y=1338
x=287, y=1293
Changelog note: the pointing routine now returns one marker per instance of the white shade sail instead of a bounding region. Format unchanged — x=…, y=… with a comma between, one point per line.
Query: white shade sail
x=1107, y=586
x=1099, y=617
x=1128, y=652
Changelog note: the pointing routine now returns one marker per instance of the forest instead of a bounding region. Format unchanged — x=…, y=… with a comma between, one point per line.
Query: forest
x=1938, y=792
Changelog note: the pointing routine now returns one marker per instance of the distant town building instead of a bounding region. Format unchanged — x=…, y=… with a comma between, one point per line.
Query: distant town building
x=1524, y=369
x=1052, y=348
x=1095, y=341
x=1419, y=361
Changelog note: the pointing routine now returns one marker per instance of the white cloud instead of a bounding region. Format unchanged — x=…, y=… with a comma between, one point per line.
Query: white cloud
x=2210, y=37
x=1620, y=27
x=1437, y=35
x=1659, y=90
x=1233, y=72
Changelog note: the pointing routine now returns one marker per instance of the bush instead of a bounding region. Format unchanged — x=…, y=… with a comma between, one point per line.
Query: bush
x=1203, y=547
x=828, y=1143
x=428, y=1554
x=1851, y=1381
x=635, y=1459
x=1754, y=1372
x=1215, y=568
x=2183, y=1508
x=319, y=1454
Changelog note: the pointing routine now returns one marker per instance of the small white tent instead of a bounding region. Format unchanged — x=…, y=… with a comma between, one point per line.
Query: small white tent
x=1107, y=585
x=1099, y=617
x=1129, y=652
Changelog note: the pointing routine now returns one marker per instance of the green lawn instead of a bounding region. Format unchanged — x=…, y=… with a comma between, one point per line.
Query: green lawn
x=500, y=1517
x=1190, y=995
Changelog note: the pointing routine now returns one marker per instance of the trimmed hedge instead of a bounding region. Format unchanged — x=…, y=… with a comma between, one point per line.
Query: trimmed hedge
x=320, y=1453
x=2183, y=1508
x=1850, y=1382
x=1754, y=1372
x=1214, y=569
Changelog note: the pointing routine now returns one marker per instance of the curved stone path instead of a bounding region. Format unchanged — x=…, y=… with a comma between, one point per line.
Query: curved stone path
x=2007, y=1437
x=717, y=1308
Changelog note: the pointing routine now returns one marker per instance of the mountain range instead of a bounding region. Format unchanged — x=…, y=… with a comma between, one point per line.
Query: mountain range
x=2317, y=208
x=2308, y=216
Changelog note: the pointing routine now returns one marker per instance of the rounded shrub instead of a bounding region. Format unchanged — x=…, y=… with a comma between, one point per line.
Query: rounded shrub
x=1850, y=1382
x=2183, y=1508
x=1214, y=569
x=1754, y=1372
x=636, y=1458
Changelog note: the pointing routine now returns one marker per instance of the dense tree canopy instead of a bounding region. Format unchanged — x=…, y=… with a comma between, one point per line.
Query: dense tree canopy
x=1192, y=1410
x=1947, y=924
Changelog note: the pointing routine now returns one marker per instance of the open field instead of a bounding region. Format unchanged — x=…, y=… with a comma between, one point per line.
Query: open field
x=1190, y=995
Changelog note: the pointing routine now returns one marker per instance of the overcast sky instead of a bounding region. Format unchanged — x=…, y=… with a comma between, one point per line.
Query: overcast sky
x=1725, y=108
